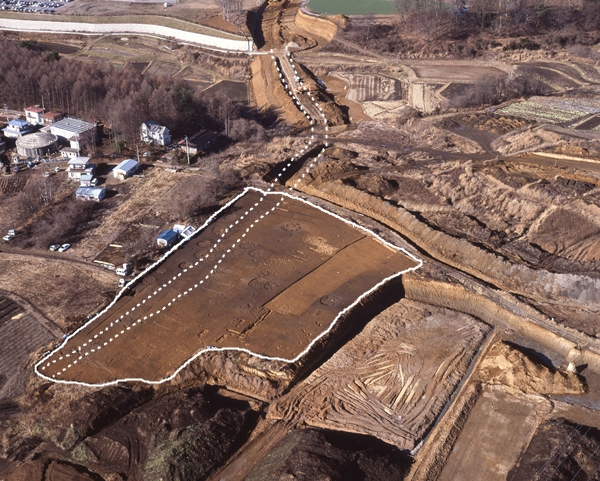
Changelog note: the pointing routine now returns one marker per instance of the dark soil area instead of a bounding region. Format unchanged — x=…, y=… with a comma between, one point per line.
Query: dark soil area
x=134, y=434
x=311, y=454
x=560, y=450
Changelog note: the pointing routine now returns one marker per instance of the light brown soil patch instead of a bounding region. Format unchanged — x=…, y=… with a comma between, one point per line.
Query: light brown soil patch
x=498, y=428
x=393, y=379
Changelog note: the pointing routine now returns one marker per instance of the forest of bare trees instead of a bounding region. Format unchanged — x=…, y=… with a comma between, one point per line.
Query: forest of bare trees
x=466, y=29
x=121, y=98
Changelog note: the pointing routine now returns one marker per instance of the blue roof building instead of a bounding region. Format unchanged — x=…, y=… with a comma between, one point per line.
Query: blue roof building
x=16, y=128
x=167, y=238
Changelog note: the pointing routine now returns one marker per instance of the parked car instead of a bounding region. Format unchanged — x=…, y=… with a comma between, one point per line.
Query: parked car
x=54, y=247
x=46, y=174
x=56, y=169
x=121, y=282
x=12, y=232
x=7, y=238
x=64, y=247
x=94, y=181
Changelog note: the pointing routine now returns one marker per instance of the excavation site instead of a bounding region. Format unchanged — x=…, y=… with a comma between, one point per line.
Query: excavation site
x=300, y=240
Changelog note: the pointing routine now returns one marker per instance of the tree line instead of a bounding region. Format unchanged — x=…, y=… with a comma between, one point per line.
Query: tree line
x=122, y=98
x=501, y=16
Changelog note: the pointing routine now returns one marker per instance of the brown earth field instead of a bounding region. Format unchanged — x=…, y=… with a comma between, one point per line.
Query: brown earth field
x=417, y=354
x=273, y=291
x=61, y=290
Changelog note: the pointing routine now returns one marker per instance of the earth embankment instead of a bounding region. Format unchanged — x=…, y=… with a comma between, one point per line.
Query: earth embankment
x=540, y=285
x=319, y=26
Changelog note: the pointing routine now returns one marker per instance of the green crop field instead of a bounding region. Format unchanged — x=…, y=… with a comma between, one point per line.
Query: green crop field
x=352, y=7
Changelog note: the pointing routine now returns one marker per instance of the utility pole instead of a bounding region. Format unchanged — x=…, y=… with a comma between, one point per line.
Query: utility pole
x=187, y=149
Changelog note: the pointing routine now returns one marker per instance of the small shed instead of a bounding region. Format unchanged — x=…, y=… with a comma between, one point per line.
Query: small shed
x=184, y=230
x=167, y=238
x=76, y=174
x=95, y=194
x=69, y=152
x=85, y=180
x=125, y=169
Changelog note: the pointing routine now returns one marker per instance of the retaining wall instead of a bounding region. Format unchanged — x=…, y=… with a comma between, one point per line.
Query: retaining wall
x=241, y=45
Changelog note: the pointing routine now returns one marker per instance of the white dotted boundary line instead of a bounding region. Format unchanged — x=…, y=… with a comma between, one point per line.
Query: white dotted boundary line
x=100, y=343
x=103, y=343
x=260, y=356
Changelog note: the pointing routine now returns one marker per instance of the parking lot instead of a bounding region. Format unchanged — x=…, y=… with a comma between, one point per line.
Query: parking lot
x=32, y=6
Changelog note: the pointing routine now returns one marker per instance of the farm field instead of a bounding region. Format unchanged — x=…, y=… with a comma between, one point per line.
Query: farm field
x=24, y=334
x=365, y=87
x=277, y=282
x=552, y=110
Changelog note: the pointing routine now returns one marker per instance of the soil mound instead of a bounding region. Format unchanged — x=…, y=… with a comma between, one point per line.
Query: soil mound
x=504, y=364
x=310, y=454
x=562, y=451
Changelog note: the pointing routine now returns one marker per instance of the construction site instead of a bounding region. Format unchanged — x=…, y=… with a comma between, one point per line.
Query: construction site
x=401, y=286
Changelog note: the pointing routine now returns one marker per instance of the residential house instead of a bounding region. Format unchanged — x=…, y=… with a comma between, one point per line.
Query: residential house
x=78, y=167
x=16, y=129
x=198, y=143
x=153, y=133
x=167, y=238
x=33, y=115
x=95, y=194
x=51, y=117
x=125, y=169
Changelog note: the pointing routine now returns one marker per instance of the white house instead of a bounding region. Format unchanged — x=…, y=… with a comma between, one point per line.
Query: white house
x=34, y=114
x=125, y=169
x=78, y=167
x=79, y=163
x=153, y=133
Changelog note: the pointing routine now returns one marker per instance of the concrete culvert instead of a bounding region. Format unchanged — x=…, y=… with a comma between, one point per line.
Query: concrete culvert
x=37, y=144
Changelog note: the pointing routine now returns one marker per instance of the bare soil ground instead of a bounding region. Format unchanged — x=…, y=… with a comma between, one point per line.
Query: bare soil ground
x=199, y=11
x=560, y=450
x=393, y=379
x=500, y=426
x=294, y=273
x=317, y=454
x=63, y=291
x=452, y=71
x=501, y=206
